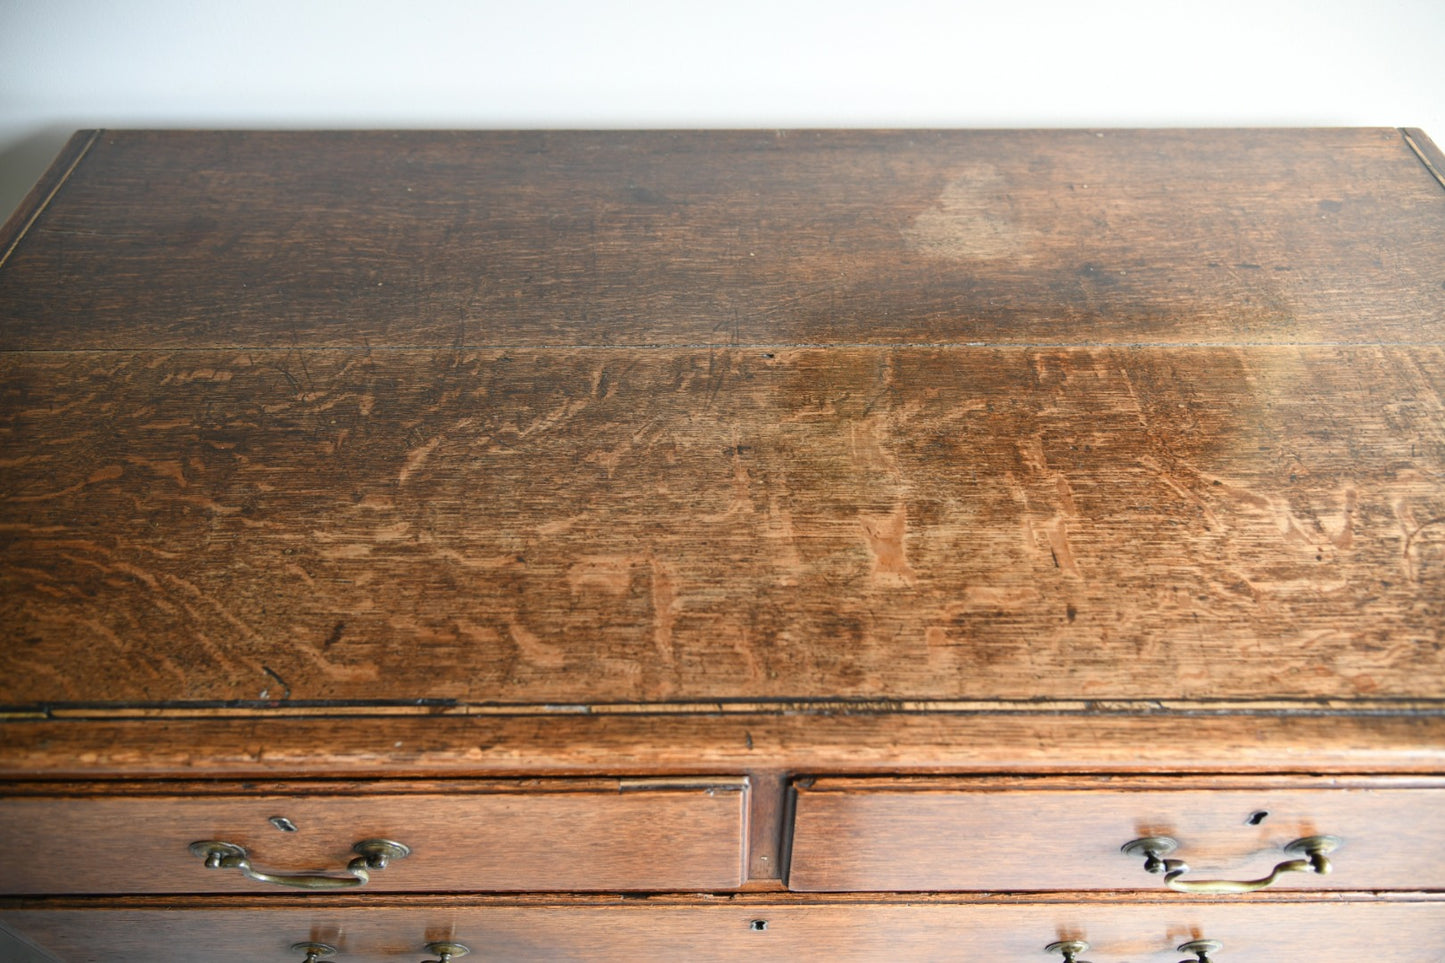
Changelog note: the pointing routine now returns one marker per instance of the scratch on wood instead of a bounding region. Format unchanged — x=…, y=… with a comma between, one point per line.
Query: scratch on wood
x=607, y=573
x=286, y=693
x=778, y=530
x=414, y=459
x=886, y=536
x=533, y=649
x=664, y=601
x=1153, y=465
x=1134, y=396
x=1346, y=538
x=1412, y=540
x=1059, y=544
x=1066, y=496
x=742, y=488
x=559, y=415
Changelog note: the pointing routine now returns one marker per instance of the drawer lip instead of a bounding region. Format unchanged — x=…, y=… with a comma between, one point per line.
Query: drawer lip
x=1161, y=782
x=367, y=787
x=637, y=743
x=490, y=836
x=961, y=834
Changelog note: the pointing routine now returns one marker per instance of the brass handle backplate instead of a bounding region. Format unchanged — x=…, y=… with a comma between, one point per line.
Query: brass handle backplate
x=314, y=951
x=1201, y=950
x=1070, y=949
x=1312, y=850
x=373, y=854
x=446, y=951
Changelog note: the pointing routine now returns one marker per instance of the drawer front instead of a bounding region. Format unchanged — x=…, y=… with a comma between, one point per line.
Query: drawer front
x=745, y=929
x=936, y=835
x=648, y=835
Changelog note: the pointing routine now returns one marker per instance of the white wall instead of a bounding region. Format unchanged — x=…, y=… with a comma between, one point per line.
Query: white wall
x=529, y=63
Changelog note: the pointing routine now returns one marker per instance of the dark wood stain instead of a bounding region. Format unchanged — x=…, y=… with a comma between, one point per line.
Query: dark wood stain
x=276, y=239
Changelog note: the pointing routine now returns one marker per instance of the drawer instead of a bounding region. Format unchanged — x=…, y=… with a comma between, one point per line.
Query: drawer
x=463, y=835
x=742, y=928
x=1038, y=835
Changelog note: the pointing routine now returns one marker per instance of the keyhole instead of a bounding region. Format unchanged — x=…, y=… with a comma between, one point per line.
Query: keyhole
x=283, y=824
x=1255, y=818
x=758, y=925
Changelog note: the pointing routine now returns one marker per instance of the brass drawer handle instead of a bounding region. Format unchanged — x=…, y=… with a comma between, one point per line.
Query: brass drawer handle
x=1313, y=851
x=1201, y=950
x=374, y=854
x=447, y=951
x=314, y=951
x=1070, y=948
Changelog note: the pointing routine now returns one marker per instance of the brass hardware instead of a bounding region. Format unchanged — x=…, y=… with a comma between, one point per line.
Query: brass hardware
x=447, y=952
x=374, y=854
x=1070, y=948
x=1201, y=950
x=1314, y=851
x=313, y=951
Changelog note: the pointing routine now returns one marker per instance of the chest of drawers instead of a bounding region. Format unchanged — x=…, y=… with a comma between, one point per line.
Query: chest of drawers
x=837, y=545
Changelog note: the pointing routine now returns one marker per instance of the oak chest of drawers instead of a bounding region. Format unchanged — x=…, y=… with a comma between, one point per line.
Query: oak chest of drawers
x=745, y=545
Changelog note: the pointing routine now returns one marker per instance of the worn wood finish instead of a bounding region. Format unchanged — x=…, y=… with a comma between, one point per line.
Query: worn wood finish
x=492, y=838
x=426, y=238
x=1335, y=932
x=352, y=477
x=877, y=835
x=642, y=525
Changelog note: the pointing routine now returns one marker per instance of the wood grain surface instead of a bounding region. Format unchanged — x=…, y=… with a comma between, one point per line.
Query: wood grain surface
x=920, y=835
x=337, y=459
x=494, y=838
x=266, y=239
x=1096, y=449
x=543, y=526
x=259, y=743
x=707, y=930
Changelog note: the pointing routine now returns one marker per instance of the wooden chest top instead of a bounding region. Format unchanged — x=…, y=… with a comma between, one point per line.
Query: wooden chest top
x=804, y=419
